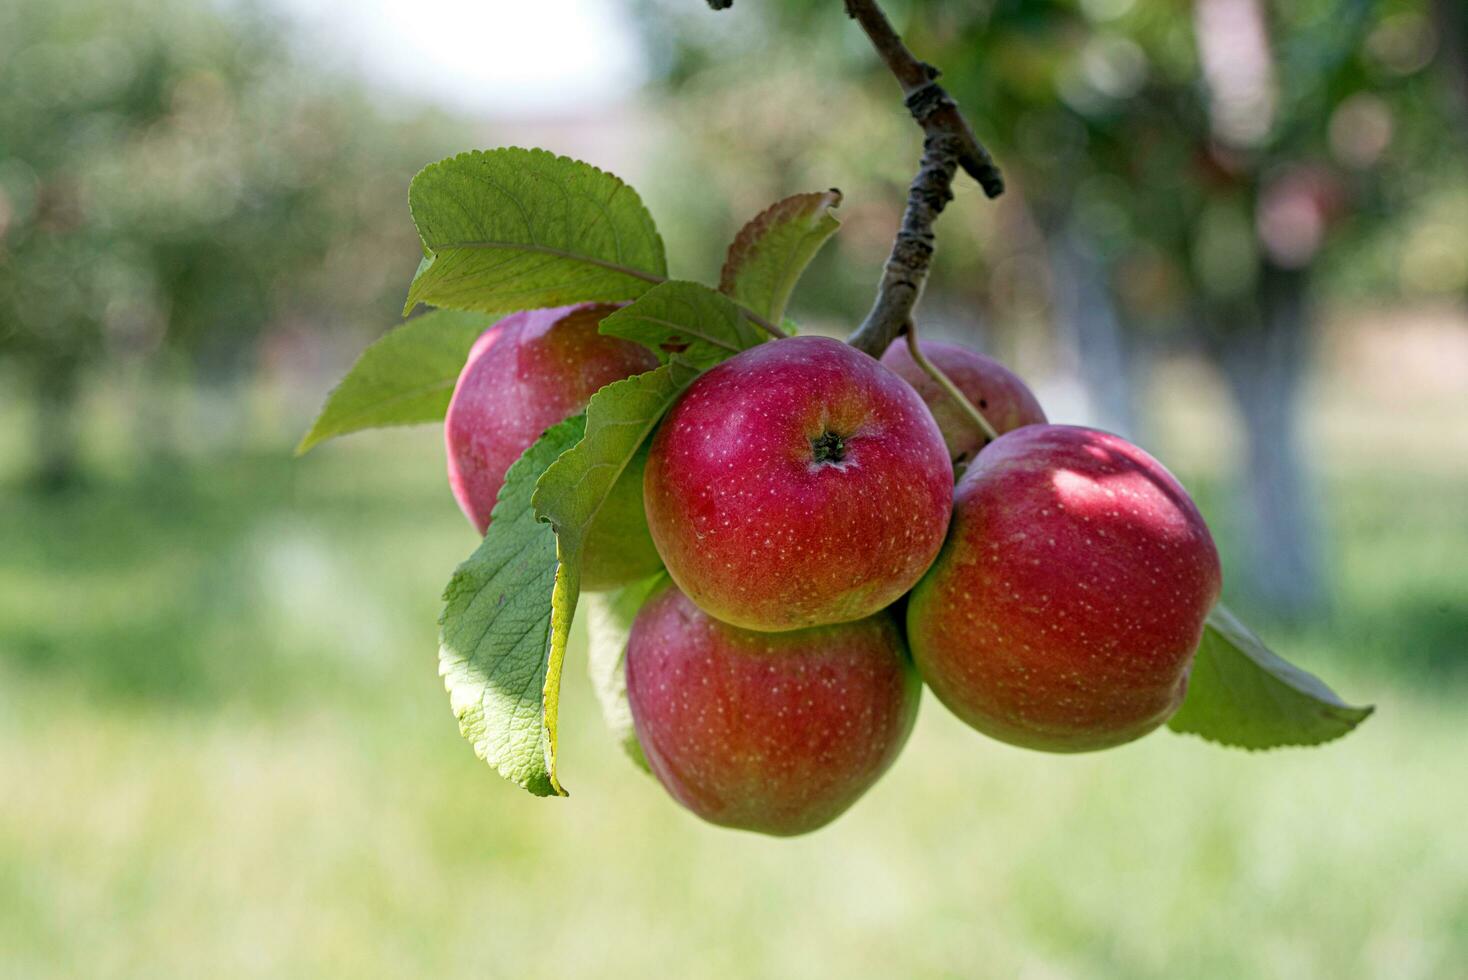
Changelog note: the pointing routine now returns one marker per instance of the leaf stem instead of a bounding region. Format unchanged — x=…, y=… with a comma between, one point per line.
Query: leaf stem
x=762, y=323
x=946, y=383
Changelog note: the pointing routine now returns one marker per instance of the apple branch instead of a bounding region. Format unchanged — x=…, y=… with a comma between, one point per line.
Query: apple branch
x=929, y=104
x=949, y=144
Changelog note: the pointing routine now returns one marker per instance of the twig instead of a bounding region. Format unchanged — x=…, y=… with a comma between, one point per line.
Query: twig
x=929, y=104
x=777, y=332
x=912, y=250
x=949, y=144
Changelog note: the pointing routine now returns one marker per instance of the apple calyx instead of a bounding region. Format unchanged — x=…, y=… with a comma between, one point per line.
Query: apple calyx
x=827, y=448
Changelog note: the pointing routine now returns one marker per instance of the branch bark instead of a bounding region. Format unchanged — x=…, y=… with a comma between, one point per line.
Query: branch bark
x=949, y=143
x=929, y=104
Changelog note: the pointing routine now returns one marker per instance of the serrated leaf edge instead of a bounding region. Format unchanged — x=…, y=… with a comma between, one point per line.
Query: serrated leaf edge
x=549, y=729
x=430, y=253
x=749, y=237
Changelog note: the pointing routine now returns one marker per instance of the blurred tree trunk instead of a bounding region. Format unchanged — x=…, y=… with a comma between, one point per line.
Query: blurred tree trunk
x=57, y=440
x=1264, y=364
x=156, y=419
x=1087, y=314
x=1451, y=20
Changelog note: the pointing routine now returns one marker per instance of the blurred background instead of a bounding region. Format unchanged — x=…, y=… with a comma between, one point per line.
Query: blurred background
x=1236, y=231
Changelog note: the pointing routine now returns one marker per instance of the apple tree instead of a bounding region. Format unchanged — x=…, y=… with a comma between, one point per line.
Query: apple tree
x=174, y=182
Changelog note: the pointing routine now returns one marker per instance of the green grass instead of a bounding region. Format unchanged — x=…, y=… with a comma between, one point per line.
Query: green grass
x=224, y=750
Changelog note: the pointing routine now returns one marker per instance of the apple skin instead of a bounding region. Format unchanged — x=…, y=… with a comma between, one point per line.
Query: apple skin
x=524, y=374
x=997, y=392
x=759, y=531
x=772, y=732
x=1065, y=609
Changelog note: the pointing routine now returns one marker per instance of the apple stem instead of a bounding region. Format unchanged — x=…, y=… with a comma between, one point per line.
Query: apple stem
x=946, y=383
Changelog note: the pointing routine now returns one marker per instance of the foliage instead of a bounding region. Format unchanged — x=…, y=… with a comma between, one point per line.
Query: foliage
x=405, y=376
x=1108, y=116
x=509, y=608
x=177, y=184
x=609, y=618
x=686, y=321
x=769, y=254
x=1242, y=694
x=514, y=229
x=501, y=642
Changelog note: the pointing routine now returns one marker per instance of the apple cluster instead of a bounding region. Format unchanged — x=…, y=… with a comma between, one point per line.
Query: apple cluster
x=822, y=565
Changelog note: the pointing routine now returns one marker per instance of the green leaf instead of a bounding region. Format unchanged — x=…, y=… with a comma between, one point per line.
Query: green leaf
x=515, y=229
x=1242, y=694
x=769, y=254
x=572, y=489
x=503, y=632
x=609, y=621
x=700, y=326
x=618, y=419
x=404, y=377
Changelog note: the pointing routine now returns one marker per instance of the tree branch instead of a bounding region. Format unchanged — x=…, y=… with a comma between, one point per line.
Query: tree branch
x=929, y=104
x=949, y=144
x=912, y=250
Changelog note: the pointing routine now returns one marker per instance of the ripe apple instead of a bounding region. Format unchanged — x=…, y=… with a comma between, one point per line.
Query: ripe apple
x=996, y=391
x=797, y=484
x=774, y=732
x=525, y=374
x=1069, y=599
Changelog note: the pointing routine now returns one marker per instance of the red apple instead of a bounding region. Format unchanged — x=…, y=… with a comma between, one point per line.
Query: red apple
x=1005, y=401
x=1065, y=609
x=774, y=732
x=797, y=484
x=525, y=374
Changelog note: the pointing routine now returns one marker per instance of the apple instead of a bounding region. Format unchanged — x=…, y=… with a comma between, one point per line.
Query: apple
x=797, y=484
x=524, y=374
x=1069, y=599
x=1005, y=401
x=772, y=732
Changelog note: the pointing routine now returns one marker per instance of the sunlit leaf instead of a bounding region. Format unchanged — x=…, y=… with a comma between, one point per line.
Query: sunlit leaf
x=609, y=622
x=514, y=229
x=503, y=632
x=405, y=377
x=767, y=257
x=700, y=326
